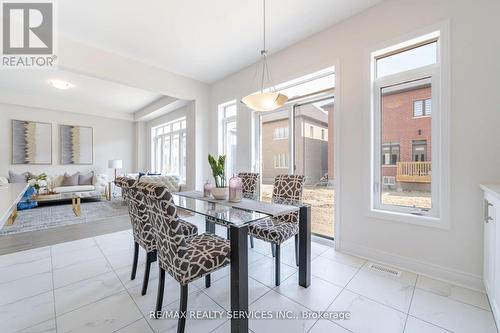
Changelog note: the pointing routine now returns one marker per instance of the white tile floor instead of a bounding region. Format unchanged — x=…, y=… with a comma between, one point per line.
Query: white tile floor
x=85, y=286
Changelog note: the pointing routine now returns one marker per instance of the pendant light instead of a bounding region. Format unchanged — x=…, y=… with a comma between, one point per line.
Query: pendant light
x=270, y=100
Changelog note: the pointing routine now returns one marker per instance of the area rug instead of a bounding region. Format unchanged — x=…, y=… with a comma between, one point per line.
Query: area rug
x=51, y=216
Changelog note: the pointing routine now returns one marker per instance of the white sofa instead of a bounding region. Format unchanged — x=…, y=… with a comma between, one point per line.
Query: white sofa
x=98, y=187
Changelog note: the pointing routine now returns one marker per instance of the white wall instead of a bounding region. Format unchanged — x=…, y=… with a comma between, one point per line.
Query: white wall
x=454, y=254
x=113, y=139
x=88, y=60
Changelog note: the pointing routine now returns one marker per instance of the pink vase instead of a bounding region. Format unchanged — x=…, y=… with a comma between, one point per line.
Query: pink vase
x=235, y=189
x=207, y=189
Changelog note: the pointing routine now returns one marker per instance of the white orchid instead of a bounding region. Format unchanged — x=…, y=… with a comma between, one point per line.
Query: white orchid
x=41, y=183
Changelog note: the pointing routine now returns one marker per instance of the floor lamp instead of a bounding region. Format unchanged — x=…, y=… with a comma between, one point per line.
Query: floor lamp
x=114, y=164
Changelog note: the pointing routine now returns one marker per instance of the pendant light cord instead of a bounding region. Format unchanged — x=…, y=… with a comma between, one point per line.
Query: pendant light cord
x=264, y=25
x=263, y=52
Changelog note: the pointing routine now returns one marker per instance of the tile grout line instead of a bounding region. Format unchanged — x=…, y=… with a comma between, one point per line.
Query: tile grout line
x=53, y=288
x=428, y=322
x=454, y=299
x=132, y=323
x=354, y=275
x=125, y=288
x=411, y=301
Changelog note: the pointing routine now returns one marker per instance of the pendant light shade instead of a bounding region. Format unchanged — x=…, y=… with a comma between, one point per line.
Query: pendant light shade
x=265, y=101
x=268, y=100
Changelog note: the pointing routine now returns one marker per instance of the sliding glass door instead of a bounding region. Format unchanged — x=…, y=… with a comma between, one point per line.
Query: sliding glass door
x=275, y=148
x=299, y=139
x=313, y=153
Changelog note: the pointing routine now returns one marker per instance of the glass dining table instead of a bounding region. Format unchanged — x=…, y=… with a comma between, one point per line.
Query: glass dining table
x=236, y=217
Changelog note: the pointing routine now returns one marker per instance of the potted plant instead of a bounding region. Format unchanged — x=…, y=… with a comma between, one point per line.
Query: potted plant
x=220, y=192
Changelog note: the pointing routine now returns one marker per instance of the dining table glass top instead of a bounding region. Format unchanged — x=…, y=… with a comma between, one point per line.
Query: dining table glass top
x=275, y=208
x=223, y=213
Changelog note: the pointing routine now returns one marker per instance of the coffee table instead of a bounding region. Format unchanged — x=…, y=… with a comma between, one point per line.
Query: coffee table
x=74, y=197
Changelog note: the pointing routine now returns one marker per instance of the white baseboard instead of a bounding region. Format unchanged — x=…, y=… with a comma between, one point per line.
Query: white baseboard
x=443, y=273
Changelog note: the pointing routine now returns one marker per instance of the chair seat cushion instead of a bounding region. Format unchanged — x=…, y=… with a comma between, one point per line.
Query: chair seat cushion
x=273, y=230
x=206, y=253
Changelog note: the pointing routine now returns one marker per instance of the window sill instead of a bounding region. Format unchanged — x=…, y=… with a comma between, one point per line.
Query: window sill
x=425, y=221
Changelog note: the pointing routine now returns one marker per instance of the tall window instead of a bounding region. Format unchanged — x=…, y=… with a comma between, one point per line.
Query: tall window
x=169, y=148
x=228, y=134
x=406, y=82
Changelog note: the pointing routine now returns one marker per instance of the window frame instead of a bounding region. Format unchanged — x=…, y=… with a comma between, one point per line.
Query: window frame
x=224, y=120
x=277, y=133
x=425, y=113
x=281, y=161
x=439, y=74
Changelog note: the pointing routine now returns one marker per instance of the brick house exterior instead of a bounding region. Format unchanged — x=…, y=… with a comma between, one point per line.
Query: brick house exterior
x=313, y=143
x=400, y=127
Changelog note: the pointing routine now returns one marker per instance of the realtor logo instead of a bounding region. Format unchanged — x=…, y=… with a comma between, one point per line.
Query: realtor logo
x=28, y=34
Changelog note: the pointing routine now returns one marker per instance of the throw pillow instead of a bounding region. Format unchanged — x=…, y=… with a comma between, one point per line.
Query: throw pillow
x=70, y=180
x=18, y=177
x=86, y=179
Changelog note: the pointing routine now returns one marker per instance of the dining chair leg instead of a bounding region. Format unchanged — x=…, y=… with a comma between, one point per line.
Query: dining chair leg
x=297, y=250
x=150, y=257
x=134, y=262
x=228, y=234
x=278, y=264
x=182, y=309
x=273, y=250
x=251, y=242
x=161, y=289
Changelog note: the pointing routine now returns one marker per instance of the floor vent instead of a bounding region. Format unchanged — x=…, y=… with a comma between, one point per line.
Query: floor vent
x=384, y=269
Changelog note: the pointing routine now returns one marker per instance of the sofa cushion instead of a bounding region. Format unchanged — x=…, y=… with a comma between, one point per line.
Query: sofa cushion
x=77, y=188
x=86, y=179
x=70, y=180
x=171, y=182
x=18, y=177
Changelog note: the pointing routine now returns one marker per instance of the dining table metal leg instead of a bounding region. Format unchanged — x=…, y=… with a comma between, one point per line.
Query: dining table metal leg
x=210, y=229
x=239, y=278
x=305, y=246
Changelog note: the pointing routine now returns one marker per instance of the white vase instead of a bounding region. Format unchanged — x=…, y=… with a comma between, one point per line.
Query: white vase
x=220, y=193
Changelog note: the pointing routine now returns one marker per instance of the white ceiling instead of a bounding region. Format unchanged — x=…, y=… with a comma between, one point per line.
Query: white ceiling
x=204, y=40
x=89, y=95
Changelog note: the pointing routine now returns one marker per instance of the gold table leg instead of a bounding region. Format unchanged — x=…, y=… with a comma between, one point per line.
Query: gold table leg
x=76, y=203
x=109, y=192
x=12, y=217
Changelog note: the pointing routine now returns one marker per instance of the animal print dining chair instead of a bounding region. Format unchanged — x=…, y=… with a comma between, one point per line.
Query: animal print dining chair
x=184, y=258
x=287, y=189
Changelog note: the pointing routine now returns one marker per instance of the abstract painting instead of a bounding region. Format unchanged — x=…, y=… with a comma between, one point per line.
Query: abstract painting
x=76, y=144
x=31, y=142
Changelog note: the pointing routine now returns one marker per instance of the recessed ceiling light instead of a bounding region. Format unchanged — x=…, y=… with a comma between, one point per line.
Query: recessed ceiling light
x=60, y=84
